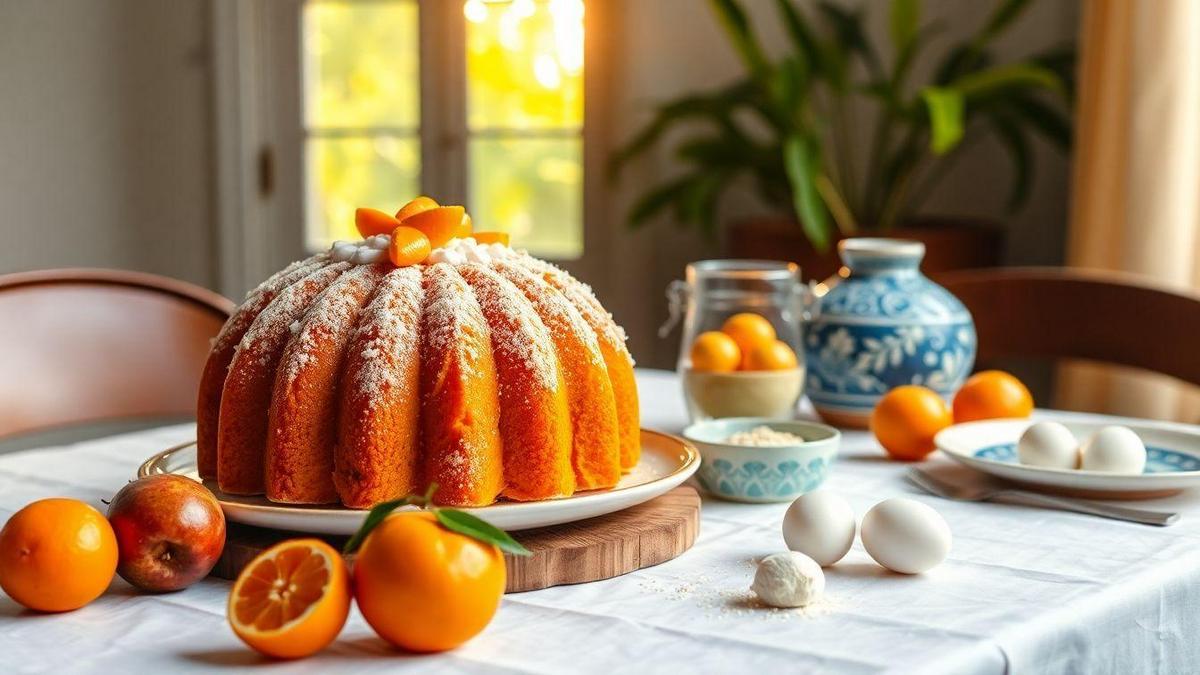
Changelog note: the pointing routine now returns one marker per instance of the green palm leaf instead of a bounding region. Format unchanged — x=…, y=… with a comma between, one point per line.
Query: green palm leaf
x=801, y=161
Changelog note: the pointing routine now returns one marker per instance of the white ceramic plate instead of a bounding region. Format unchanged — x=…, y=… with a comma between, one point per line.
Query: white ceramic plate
x=1172, y=461
x=666, y=462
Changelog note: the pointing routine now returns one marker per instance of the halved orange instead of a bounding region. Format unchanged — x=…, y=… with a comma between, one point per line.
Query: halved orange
x=440, y=225
x=491, y=237
x=371, y=222
x=292, y=600
x=415, y=206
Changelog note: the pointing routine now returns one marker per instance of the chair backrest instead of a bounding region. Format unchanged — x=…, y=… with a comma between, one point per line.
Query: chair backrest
x=81, y=345
x=1052, y=312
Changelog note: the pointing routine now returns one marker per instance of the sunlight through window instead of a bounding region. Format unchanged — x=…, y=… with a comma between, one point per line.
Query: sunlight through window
x=525, y=118
x=524, y=114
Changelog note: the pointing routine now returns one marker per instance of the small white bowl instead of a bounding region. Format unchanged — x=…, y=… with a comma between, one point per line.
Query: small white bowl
x=747, y=473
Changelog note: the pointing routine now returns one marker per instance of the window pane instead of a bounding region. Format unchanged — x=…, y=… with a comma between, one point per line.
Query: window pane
x=531, y=188
x=360, y=64
x=524, y=64
x=346, y=173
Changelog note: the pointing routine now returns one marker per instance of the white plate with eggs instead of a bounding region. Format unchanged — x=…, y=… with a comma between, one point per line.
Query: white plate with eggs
x=1085, y=461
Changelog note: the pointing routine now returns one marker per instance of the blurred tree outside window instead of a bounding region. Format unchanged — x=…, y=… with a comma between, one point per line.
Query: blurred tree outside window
x=524, y=116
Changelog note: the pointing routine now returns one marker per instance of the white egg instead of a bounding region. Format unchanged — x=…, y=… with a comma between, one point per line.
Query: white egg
x=905, y=535
x=788, y=580
x=1048, y=444
x=820, y=525
x=1115, y=450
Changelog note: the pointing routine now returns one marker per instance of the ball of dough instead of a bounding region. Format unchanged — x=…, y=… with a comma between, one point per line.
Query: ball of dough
x=788, y=580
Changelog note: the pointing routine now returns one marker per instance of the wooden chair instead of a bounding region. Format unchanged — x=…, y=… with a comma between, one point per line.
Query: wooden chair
x=85, y=345
x=1052, y=313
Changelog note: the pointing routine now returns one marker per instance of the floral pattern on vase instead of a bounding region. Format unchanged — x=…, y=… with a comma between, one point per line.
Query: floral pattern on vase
x=761, y=481
x=884, y=325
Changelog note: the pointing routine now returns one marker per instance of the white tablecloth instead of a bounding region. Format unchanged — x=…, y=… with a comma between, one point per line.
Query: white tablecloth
x=1025, y=590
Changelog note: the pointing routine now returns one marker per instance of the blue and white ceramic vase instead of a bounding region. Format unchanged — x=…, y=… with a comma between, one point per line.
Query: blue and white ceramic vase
x=879, y=323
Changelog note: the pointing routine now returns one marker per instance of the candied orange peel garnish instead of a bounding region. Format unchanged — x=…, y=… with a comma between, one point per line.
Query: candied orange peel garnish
x=409, y=246
x=419, y=227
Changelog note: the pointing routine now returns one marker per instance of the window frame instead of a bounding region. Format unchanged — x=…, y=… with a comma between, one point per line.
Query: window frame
x=260, y=131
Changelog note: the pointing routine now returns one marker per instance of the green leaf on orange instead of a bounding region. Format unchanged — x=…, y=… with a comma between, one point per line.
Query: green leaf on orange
x=477, y=528
x=373, y=519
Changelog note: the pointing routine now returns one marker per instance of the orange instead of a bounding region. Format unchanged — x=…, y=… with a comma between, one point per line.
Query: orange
x=715, y=352
x=371, y=222
x=57, y=555
x=409, y=246
x=465, y=228
x=292, y=600
x=773, y=355
x=906, y=419
x=415, y=206
x=990, y=394
x=491, y=237
x=748, y=330
x=423, y=587
x=440, y=225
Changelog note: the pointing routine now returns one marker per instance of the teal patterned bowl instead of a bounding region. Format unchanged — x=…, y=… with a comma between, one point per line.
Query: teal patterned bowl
x=762, y=473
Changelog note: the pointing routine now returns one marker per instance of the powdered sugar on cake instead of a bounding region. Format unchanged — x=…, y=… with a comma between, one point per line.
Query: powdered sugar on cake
x=272, y=327
x=450, y=309
x=583, y=298
x=332, y=314
x=517, y=332
x=550, y=303
x=387, y=335
x=262, y=295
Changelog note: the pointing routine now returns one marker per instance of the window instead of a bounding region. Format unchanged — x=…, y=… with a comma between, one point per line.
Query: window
x=523, y=100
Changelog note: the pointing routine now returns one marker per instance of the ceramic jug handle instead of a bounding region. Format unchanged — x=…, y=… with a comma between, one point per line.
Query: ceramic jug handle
x=677, y=297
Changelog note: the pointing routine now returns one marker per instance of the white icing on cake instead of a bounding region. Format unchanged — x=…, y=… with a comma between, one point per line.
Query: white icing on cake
x=456, y=251
x=462, y=251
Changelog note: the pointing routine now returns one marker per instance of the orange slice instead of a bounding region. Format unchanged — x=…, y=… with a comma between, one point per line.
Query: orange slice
x=409, y=246
x=415, y=206
x=292, y=600
x=371, y=222
x=440, y=225
x=491, y=237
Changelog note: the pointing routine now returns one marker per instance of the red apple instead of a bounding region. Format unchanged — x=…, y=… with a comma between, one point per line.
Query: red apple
x=170, y=532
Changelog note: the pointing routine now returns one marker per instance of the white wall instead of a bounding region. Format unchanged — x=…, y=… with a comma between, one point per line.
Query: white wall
x=671, y=47
x=104, y=136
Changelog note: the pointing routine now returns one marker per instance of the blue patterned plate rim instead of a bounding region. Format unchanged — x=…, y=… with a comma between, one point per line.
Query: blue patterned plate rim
x=994, y=442
x=1158, y=460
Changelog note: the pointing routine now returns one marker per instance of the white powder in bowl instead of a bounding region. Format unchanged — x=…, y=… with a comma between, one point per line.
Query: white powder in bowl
x=764, y=436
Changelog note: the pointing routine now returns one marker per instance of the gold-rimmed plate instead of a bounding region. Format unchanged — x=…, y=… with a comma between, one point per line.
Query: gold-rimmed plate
x=666, y=462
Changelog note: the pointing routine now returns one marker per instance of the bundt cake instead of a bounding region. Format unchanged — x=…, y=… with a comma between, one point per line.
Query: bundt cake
x=367, y=372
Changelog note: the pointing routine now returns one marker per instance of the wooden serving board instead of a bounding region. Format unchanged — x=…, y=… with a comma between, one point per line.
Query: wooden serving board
x=589, y=550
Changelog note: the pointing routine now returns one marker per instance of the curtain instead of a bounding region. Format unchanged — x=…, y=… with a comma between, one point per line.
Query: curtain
x=1136, y=177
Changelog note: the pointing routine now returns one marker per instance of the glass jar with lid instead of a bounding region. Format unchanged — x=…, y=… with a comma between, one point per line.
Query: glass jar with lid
x=767, y=384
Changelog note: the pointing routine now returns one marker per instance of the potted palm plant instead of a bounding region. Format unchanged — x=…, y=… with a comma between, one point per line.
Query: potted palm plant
x=787, y=124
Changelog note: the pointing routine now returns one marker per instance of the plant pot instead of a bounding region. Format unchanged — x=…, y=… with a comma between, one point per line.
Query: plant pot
x=950, y=244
